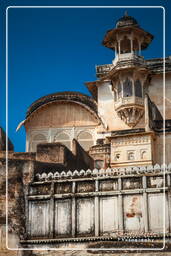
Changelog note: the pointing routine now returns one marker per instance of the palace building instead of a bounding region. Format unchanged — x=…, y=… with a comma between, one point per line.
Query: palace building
x=96, y=173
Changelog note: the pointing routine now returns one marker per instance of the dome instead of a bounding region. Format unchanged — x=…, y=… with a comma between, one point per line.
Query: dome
x=65, y=96
x=126, y=21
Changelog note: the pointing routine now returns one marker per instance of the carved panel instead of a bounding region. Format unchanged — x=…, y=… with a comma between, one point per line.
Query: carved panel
x=62, y=188
x=85, y=216
x=39, y=218
x=133, y=213
x=63, y=217
x=155, y=182
x=156, y=204
x=108, y=215
x=108, y=185
x=41, y=189
x=85, y=186
x=132, y=183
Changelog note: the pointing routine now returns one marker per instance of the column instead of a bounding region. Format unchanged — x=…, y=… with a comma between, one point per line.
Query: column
x=73, y=214
x=131, y=44
x=145, y=203
x=139, y=46
x=97, y=210
x=119, y=47
x=52, y=212
x=120, y=207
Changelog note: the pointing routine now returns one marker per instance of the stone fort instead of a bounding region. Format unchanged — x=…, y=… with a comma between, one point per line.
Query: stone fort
x=96, y=175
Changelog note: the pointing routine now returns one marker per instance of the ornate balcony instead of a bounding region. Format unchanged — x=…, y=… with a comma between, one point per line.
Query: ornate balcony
x=128, y=60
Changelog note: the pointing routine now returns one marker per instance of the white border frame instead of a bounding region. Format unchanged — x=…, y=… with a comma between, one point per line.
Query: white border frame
x=82, y=249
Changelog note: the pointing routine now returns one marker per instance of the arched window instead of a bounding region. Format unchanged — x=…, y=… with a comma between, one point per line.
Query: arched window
x=85, y=139
x=64, y=139
x=119, y=90
x=38, y=138
x=127, y=88
x=131, y=155
x=138, y=88
x=99, y=164
x=125, y=45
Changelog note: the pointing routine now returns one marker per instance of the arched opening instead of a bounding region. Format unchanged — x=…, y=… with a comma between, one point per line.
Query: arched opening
x=127, y=88
x=138, y=88
x=125, y=45
x=131, y=155
x=38, y=138
x=85, y=139
x=119, y=90
x=99, y=164
x=64, y=139
x=136, y=46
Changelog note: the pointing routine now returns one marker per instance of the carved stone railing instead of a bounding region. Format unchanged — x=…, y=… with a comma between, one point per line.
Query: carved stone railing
x=101, y=70
x=134, y=170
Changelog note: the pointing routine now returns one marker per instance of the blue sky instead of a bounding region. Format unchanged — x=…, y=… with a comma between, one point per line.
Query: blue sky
x=54, y=49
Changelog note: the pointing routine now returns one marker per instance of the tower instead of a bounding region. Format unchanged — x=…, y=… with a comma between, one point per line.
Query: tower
x=129, y=72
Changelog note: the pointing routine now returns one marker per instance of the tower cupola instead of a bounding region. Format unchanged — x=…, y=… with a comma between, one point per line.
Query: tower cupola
x=127, y=37
x=129, y=72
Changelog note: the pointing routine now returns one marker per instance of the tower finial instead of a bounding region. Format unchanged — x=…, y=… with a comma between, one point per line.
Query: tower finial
x=126, y=13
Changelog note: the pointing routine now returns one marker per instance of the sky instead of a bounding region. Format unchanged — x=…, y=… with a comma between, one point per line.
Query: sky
x=57, y=49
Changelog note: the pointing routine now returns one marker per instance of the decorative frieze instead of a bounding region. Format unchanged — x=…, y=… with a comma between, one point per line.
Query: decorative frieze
x=131, y=140
x=132, y=170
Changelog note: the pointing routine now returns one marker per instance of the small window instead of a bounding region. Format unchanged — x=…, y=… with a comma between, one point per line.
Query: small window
x=127, y=88
x=138, y=89
x=131, y=155
x=99, y=164
x=117, y=156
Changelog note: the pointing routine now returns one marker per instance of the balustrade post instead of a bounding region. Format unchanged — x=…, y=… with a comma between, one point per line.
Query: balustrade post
x=120, y=207
x=73, y=214
x=97, y=209
x=145, y=204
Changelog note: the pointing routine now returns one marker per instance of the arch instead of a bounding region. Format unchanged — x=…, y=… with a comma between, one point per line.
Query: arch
x=37, y=138
x=85, y=139
x=125, y=45
x=63, y=138
x=127, y=88
x=138, y=88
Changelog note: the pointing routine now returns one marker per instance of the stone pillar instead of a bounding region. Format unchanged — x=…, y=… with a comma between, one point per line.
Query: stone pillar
x=97, y=210
x=52, y=211
x=73, y=215
x=131, y=44
x=145, y=204
x=119, y=47
x=146, y=111
x=120, y=207
x=139, y=47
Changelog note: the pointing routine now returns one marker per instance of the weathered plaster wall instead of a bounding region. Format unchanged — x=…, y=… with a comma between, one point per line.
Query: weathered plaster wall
x=159, y=148
x=155, y=91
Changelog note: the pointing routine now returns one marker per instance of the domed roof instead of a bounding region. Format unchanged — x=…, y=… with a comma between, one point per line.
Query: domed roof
x=126, y=21
x=64, y=96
